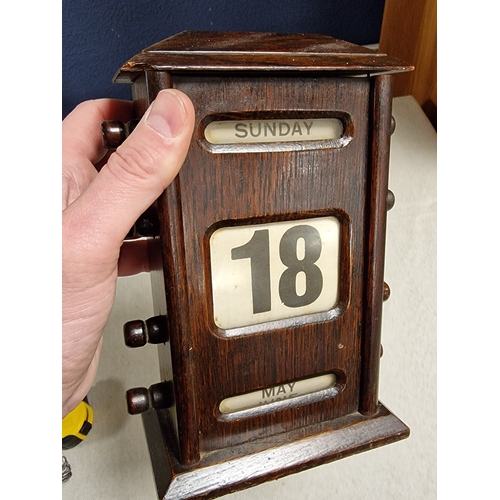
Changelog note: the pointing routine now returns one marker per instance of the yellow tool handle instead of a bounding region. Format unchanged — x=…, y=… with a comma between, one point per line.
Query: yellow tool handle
x=76, y=425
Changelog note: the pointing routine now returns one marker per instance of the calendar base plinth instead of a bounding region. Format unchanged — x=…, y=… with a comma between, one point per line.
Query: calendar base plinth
x=239, y=467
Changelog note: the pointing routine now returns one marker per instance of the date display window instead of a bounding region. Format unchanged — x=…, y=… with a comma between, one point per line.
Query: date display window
x=275, y=271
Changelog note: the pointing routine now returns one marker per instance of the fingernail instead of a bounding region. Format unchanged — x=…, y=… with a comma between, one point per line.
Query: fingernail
x=167, y=114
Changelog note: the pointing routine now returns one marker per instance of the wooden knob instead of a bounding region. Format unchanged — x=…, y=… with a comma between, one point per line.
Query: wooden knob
x=157, y=330
x=387, y=292
x=138, y=333
x=146, y=226
x=115, y=132
x=393, y=125
x=158, y=397
x=162, y=395
x=391, y=199
x=138, y=400
x=135, y=333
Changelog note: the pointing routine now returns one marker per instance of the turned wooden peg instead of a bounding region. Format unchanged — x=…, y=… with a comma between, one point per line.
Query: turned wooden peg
x=135, y=333
x=391, y=199
x=157, y=330
x=162, y=395
x=393, y=125
x=138, y=400
x=146, y=226
x=387, y=292
x=158, y=396
x=138, y=333
x=115, y=132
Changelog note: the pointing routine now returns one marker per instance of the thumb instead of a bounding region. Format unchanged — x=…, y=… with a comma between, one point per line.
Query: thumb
x=136, y=173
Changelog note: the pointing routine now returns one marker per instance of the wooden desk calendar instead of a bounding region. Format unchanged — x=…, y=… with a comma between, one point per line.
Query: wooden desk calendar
x=268, y=259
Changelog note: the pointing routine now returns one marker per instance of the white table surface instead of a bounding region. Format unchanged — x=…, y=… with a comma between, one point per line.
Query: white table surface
x=113, y=462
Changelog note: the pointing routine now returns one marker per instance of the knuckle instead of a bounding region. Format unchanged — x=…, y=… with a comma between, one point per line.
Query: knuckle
x=132, y=163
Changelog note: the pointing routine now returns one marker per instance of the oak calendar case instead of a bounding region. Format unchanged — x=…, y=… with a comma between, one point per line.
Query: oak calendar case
x=267, y=257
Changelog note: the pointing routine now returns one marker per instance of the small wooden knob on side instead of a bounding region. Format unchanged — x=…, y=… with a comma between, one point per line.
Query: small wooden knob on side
x=391, y=199
x=138, y=400
x=115, y=132
x=158, y=397
x=387, y=292
x=393, y=125
x=135, y=333
x=138, y=333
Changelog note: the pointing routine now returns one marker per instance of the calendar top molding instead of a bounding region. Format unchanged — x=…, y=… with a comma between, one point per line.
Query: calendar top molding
x=208, y=51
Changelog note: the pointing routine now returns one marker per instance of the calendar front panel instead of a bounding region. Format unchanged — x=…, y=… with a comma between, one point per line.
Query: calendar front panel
x=274, y=290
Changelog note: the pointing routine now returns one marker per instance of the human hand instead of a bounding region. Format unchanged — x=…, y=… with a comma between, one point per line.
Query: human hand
x=99, y=208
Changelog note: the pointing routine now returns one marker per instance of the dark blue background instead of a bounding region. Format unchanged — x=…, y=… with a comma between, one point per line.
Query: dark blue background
x=100, y=35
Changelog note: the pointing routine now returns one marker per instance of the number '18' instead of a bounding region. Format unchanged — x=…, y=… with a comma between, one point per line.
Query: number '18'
x=257, y=249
